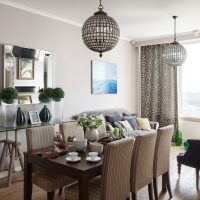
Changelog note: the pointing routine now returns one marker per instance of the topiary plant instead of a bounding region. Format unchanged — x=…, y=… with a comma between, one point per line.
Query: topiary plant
x=41, y=90
x=9, y=94
x=43, y=98
x=49, y=92
x=58, y=94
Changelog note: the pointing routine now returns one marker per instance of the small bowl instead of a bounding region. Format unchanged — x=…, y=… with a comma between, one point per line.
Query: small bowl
x=80, y=143
x=96, y=147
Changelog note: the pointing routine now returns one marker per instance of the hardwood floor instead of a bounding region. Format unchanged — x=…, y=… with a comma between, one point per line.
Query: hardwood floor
x=182, y=189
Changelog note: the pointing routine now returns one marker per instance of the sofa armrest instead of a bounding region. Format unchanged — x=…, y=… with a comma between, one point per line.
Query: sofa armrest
x=154, y=125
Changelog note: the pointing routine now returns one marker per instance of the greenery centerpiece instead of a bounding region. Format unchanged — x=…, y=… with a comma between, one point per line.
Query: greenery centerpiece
x=90, y=125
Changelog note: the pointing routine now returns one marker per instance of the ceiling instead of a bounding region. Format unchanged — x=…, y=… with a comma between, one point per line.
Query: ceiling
x=138, y=19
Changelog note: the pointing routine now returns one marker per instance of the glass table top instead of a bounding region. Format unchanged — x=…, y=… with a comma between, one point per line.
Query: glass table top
x=4, y=128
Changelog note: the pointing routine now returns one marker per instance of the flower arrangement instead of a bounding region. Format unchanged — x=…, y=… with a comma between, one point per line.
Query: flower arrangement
x=89, y=122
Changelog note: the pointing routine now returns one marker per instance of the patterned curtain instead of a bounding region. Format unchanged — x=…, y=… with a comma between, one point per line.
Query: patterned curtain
x=158, y=87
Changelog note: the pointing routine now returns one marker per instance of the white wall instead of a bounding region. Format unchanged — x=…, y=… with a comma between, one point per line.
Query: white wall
x=72, y=59
x=190, y=130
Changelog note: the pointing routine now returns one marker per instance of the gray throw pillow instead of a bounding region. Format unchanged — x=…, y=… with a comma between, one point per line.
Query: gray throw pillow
x=117, y=125
x=132, y=121
x=113, y=118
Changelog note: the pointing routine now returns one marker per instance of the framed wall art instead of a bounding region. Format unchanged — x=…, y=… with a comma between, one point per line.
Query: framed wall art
x=25, y=99
x=25, y=69
x=104, y=77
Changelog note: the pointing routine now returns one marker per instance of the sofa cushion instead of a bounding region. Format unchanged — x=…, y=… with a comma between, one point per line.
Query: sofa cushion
x=129, y=114
x=143, y=123
x=126, y=125
x=113, y=118
x=102, y=128
x=109, y=127
x=117, y=125
x=132, y=121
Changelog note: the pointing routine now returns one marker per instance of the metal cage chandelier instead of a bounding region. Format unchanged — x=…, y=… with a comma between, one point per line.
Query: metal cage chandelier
x=174, y=54
x=100, y=32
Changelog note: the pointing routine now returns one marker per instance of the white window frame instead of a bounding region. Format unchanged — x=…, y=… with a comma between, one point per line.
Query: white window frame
x=180, y=101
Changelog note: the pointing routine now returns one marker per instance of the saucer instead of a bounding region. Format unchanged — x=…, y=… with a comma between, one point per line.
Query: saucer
x=97, y=159
x=70, y=160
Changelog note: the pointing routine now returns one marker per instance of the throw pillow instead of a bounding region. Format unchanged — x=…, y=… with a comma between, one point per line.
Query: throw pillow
x=126, y=125
x=128, y=114
x=143, y=123
x=109, y=127
x=102, y=128
x=117, y=125
x=113, y=118
x=132, y=121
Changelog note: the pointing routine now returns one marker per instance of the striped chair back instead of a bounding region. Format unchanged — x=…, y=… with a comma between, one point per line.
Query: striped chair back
x=39, y=137
x=162, y=150
x=116, y=170
x=71, y=129
x=142, y=161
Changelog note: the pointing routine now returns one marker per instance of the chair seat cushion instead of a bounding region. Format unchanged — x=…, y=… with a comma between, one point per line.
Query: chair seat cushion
x=94, y=186
x=51, y=181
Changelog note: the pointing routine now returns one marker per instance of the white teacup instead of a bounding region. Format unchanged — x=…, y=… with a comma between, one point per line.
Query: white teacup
x=73, y=155
x=93, y=155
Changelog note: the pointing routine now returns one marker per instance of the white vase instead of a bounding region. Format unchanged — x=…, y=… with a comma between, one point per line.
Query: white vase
x=58, y=109
x=9, y=111
x=92, y=135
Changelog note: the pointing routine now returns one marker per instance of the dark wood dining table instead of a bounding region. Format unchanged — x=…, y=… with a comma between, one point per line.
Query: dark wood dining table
x=81, y=171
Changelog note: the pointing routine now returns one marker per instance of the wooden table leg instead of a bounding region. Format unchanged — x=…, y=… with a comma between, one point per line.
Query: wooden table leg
x=11, y=165
x=83, y=188
x=27, y=179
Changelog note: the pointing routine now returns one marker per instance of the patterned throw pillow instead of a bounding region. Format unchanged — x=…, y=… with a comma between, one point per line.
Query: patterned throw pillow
x=126, y=125
x=132, y=121
x=109, y=127
x=143, y=123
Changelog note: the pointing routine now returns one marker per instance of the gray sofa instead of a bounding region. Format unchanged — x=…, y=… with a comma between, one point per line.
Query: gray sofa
x=121, y=112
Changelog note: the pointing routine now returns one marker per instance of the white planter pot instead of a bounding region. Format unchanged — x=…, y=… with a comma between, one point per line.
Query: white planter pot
x=92, y=135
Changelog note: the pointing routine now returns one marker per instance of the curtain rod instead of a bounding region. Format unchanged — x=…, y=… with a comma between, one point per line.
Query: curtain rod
x=184, y=38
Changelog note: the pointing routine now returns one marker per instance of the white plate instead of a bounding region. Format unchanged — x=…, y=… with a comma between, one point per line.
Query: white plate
x=93, y=160
x=70, y=160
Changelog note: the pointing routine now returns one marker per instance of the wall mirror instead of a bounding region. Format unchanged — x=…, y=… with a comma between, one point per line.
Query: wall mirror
x=28, y=70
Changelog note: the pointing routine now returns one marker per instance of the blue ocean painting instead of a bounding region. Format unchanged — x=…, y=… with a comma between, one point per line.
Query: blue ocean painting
x=104, y=77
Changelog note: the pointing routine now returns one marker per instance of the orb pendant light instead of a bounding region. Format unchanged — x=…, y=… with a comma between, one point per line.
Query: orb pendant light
x=174, y=54
x=100, y=32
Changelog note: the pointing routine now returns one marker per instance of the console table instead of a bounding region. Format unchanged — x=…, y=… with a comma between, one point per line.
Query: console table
x=11, y=148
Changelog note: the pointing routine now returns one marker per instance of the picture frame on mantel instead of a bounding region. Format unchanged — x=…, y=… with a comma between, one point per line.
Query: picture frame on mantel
x=26, y=69
x=104, y=77
x=25, y=99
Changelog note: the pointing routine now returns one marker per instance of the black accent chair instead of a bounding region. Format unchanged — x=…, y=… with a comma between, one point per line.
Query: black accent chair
x=191, y=158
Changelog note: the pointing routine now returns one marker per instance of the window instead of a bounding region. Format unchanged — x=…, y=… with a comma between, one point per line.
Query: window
x=190, y=82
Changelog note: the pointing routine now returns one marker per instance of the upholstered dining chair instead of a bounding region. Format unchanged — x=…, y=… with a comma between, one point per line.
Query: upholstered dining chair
x=191, y=158
x=71, y=129
x=39, y=137
x=114, y=183
x=142, y=164
x=162, y=159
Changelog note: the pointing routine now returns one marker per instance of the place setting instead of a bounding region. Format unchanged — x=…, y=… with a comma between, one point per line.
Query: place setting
x=93, y=157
